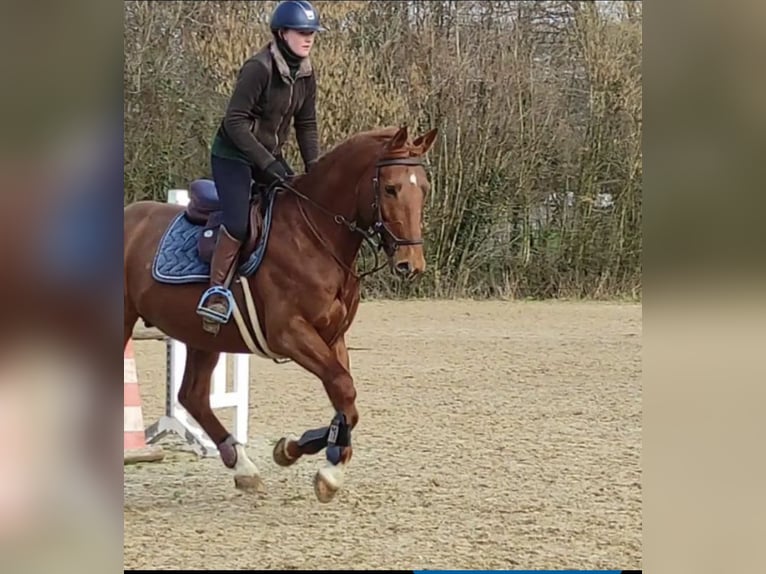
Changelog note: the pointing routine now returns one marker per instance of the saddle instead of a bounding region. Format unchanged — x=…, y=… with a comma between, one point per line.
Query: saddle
x=204, y=209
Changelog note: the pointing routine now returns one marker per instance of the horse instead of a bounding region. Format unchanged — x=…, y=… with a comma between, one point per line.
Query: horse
x=305, y=288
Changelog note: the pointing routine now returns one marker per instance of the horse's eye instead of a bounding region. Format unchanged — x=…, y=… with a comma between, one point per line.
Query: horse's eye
x=391, y=189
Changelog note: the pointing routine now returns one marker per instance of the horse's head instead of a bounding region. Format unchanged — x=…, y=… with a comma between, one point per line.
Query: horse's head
x=399, y=191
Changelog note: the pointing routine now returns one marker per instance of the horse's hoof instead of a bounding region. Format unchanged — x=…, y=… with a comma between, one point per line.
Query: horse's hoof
x=280, y=453
x=252, y=484
x=327, y=481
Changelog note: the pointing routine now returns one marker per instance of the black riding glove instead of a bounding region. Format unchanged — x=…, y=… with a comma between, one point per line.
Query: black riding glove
x=276, y=170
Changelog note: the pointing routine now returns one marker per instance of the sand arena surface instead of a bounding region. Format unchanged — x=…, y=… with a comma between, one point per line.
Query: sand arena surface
x=492, y=435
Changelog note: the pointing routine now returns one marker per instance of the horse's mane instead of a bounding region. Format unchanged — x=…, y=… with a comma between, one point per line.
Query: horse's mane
x=376, y=137
x=368, y=141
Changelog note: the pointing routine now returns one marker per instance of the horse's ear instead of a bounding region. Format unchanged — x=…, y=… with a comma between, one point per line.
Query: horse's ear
x=423, y=143
x=399, y=140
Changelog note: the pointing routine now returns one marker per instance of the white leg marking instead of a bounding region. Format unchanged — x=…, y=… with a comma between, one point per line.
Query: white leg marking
x=332, y=474
x=244, y=466
x=288, y=438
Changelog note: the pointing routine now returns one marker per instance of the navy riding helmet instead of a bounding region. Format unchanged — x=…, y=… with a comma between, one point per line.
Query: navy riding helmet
x=297, y=15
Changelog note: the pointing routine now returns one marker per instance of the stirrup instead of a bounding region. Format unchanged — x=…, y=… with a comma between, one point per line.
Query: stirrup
x=214, y=315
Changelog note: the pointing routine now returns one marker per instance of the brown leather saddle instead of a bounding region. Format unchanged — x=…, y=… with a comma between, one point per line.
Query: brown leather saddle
x=204, y=209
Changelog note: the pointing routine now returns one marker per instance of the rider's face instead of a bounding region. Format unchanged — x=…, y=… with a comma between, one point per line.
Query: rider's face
x=299, y=41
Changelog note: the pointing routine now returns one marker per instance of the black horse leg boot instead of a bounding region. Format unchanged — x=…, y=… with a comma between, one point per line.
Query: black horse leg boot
x=216, y=304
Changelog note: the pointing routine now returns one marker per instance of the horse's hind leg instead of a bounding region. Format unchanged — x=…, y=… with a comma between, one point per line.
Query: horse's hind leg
x=194, y=396
x=129, y=318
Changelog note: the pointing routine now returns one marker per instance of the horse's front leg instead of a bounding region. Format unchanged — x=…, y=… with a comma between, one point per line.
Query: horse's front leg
x=289, y=449
x=331, y=365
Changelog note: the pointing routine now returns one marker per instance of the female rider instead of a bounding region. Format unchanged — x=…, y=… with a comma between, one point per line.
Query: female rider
x=273, y=86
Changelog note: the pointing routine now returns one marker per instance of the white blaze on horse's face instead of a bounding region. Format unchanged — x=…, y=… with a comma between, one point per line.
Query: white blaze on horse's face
x=413, y=179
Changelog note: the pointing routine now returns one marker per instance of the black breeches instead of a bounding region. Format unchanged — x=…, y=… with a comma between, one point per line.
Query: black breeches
x=233, y=180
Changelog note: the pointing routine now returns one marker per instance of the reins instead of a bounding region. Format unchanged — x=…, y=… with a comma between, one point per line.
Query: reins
x=377, y=229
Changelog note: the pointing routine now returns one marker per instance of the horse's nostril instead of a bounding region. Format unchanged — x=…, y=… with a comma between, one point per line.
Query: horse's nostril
x=404, y=267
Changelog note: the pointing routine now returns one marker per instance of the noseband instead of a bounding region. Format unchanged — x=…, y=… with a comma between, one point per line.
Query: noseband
x=388, y=240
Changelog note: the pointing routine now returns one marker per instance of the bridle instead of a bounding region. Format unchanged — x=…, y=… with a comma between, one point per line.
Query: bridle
x=379, y=227
x=387, y=239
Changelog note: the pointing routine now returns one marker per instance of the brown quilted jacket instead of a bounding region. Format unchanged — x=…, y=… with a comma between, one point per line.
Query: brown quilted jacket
x=266, y=97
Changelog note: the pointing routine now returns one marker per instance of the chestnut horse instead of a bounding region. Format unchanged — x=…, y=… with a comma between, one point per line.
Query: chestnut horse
x=305, y=291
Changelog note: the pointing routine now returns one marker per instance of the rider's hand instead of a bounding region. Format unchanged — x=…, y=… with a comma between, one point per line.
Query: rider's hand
x=277, y=171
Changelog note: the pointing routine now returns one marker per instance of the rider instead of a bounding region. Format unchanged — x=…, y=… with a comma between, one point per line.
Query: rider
x=272, y=86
